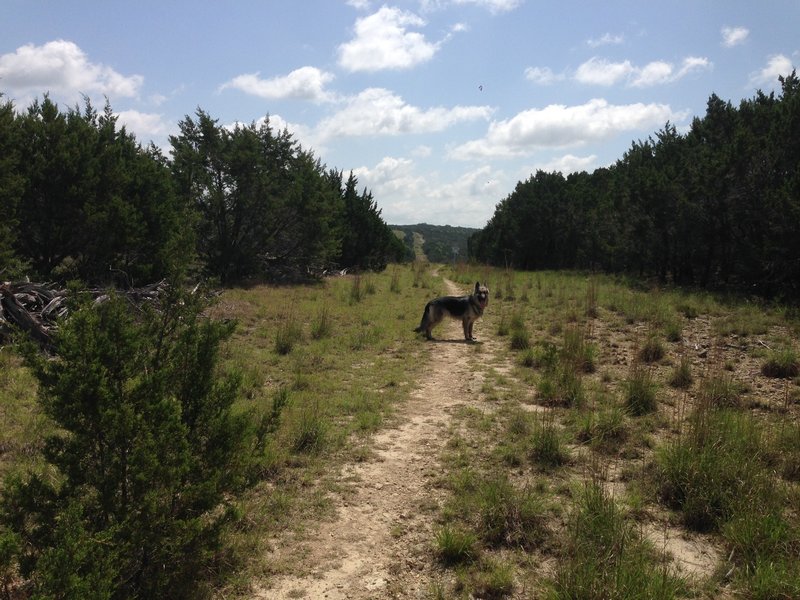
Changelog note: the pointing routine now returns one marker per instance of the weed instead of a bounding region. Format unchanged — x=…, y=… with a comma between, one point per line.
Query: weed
x=455, y=546
x=577, y=353
x=356, y=291
x=604, y=430
x=495, y=579
x=322, y=324
x=520, y=338
x=605, y=558
x=394, y=284
x=681, y=376
x=673, y=330
x=720, y=391
x=547, y=447
x=652, y=350
x=783, y=363
x=640, y=391
x=287, y=334
x=508, y=516
x=310, y=430
x=712, y=469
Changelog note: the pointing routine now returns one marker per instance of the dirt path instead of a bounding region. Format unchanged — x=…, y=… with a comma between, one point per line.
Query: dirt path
x=380, y=544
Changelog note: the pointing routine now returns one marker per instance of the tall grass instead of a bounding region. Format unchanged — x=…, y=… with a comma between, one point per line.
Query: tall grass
x=605, y=558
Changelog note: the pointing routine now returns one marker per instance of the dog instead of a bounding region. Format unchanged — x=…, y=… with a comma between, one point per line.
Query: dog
x=467, y=308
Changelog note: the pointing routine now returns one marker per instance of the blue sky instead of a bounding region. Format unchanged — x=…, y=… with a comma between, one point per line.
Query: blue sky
x=439, y=106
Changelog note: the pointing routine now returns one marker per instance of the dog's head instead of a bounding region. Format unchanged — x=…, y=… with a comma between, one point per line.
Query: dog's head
x=482, y=294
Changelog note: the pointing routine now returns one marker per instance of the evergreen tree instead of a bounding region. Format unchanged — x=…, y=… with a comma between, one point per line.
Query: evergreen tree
x=146, y=452
x=94, y=205
x=10, y=191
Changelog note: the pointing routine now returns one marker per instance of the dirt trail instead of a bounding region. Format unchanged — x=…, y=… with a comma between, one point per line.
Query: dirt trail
x=380, y=543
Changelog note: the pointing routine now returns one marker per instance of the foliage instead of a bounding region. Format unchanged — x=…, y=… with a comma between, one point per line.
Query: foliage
x=716, y=206
x=85, y=200
x=146, y=453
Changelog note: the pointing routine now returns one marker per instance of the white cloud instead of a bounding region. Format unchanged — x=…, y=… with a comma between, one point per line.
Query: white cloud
x=733, y=36
x=569, y=163
x=542, y=75
x=558, y=126
x=358, y=4
x=597, y=71
x=407, y=196
x=606, y=39
x=305, y=83
x=382, y=41
x=777, y=65
x=145, y=126
x=659, y=72
x=62, y=68
x=377, y=111
x=494, y=6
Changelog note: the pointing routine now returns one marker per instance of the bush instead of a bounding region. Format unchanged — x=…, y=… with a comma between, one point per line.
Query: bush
x=147, y=452
x=782, y=363
x=640, y=392
x=455, y=546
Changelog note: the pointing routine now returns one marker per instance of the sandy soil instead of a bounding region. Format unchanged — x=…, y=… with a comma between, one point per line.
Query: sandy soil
x=380, y=543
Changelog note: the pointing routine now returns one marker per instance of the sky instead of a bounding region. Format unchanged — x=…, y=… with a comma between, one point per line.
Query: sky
x=439, y=107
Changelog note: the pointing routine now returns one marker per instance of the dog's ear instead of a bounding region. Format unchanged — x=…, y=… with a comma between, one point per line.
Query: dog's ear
x=477, y=286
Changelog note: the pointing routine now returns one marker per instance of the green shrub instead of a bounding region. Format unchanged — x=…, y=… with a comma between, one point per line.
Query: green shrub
x=287, y=334
x=455, y=546
x=782, y=363
x=547, y=448
x=720, y=391
x=640, y=392
x=147, y=453
x=713, y=469
x=681, y=376
x=605, y=558
x=508, y=516
x=653, y=350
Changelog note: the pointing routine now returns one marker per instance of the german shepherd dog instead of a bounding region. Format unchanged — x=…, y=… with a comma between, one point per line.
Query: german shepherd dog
x=467, y=308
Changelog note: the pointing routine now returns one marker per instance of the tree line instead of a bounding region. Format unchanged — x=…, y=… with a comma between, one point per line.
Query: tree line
x=717, y=207
x=81, y=198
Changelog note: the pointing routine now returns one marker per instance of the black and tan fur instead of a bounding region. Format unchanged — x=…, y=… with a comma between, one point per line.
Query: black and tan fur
x=467, y=308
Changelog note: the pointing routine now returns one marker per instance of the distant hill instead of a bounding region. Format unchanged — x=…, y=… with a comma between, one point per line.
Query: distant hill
x=439, y=243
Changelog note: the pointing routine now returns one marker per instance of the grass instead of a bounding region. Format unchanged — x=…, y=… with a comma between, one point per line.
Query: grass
x=520, y=485
x=603, y=557
x=784, y=363
x=640, y=391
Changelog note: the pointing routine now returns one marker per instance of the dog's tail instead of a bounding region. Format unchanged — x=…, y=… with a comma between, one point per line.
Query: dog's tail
x=421, y=327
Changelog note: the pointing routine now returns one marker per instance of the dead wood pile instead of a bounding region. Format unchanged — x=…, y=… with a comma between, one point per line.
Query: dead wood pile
x=36, y=308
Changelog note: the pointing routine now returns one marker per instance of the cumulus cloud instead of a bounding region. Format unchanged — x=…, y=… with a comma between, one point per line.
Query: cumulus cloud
x=494, y=6
x=598, y=71
x=569, y=163
x=406, y=196
x=145, y=126
x=377, y=111
x=558, y=126
x=607, y=39
x=542, y=75
x=383, y=41
x=62, y=68
x=659, y=72
x=733, y=36
x=777, y=65
x=305, y=83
